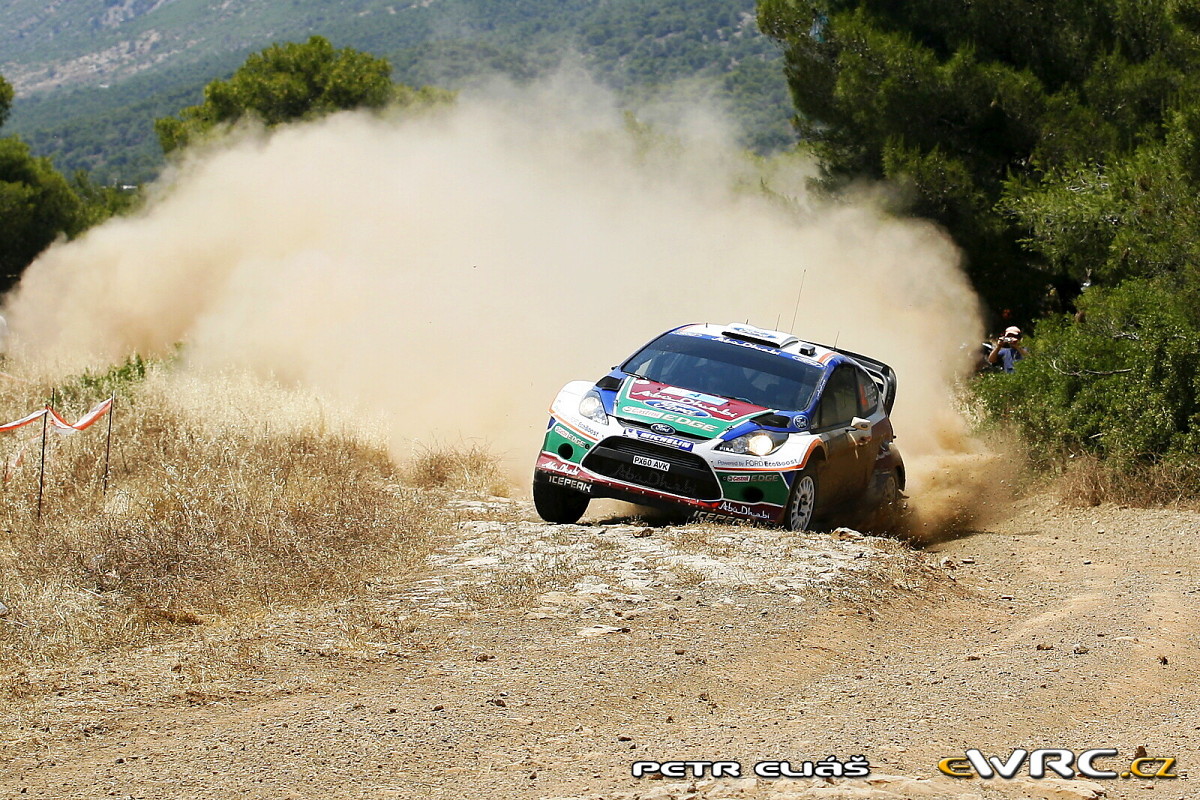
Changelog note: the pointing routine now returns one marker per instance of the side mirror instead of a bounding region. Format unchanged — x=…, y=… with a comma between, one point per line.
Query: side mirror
x=860, y=424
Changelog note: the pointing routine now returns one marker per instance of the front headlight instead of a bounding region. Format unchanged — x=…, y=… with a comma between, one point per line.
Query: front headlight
x=758, y=443
x=592, y=407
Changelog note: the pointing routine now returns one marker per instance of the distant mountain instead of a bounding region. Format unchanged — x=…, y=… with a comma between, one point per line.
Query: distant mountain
x=91, y=75
x=69, y=43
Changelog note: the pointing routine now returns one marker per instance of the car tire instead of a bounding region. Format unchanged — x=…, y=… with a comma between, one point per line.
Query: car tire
x=802, y=502
x=890, y=509
x=558, y=503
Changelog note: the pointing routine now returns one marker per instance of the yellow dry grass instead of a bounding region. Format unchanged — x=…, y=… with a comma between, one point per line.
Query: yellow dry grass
x=1088, y=480
x=226, y=496
x=470, y=467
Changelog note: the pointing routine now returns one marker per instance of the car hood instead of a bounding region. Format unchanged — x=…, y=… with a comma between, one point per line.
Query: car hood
x=695, y=413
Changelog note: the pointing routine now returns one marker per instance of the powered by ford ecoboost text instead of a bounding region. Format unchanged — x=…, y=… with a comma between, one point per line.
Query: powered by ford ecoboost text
x=730, y=420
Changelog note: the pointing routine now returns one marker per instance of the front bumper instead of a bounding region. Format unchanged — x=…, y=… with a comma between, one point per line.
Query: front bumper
x=619, y=464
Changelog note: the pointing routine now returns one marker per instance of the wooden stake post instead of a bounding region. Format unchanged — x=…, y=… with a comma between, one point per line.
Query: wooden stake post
x=42, y=475
x=112, y=407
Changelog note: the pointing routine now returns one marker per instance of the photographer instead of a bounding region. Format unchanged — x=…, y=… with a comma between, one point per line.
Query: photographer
x=1007, y=350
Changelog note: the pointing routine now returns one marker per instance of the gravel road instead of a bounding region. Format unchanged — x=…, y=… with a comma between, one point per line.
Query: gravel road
x=538, y=661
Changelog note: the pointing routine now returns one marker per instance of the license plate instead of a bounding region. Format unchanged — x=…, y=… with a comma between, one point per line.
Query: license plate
x=652, y=463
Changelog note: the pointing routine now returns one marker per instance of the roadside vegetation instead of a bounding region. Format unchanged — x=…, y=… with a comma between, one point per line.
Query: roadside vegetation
x=468, y=467
x=226, y=497
x=1060, y=147
x=38, y=204
x=293, y=83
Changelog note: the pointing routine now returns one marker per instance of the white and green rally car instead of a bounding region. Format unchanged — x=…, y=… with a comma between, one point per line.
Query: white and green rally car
x=728, y=420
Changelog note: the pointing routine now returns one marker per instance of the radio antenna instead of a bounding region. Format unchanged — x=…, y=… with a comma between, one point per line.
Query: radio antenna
x=835, y=339
x=803, y=276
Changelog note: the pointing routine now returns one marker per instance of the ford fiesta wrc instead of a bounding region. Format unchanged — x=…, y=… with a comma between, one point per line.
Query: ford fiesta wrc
x=729, y=421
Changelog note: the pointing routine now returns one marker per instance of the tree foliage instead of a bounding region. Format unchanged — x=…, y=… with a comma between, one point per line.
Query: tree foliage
x=6, y=98
x=971, y=104
x=1137, y=216
x=1059, y=142
x=1122, y=379
x=37, y=206
x=286, y=83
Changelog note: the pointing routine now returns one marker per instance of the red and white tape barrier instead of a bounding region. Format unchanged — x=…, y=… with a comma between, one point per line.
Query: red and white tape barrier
x=60, y=425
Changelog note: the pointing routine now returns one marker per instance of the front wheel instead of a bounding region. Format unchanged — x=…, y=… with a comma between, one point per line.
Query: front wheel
x=889, y=511
x=558, y=503
x=802, y=502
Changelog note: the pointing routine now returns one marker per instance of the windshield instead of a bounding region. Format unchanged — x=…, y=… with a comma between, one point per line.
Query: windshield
x=728, y=369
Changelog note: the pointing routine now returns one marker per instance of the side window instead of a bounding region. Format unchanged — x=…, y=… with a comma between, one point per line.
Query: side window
x=839, y=401
x=868, y=395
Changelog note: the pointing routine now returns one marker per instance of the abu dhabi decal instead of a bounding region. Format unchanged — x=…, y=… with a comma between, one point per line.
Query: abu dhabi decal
x=688, y=402
x=761, y=512
x=743, y=510
x=550, y=463
x=698, y=404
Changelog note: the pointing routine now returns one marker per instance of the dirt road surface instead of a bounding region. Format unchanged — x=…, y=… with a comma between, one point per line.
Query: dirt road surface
x=535, y=661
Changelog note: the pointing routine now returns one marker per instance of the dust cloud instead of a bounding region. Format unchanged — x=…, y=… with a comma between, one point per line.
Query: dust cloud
x=447, y=272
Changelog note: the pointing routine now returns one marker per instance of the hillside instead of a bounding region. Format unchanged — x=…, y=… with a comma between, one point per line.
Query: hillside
x=92, y=75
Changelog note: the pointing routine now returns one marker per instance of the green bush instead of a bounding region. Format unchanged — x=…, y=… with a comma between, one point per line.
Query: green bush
x=1120, y=380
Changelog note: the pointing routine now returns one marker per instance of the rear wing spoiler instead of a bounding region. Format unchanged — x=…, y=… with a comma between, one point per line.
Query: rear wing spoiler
x=881, y=373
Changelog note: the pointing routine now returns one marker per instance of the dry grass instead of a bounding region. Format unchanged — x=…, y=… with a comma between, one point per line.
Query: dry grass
x=709, y=540
x=368, y=628
x=688, y=576
x=226, y=496
x=517, y=583
x=1089, y=480
x=892, y=573
x=470, y=467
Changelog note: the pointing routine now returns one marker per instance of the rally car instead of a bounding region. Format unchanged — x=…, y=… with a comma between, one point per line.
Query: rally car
x=730, y=421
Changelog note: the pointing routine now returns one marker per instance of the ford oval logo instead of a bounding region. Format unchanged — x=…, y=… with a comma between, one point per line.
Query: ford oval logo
x=677, y=408
x=663, y=428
